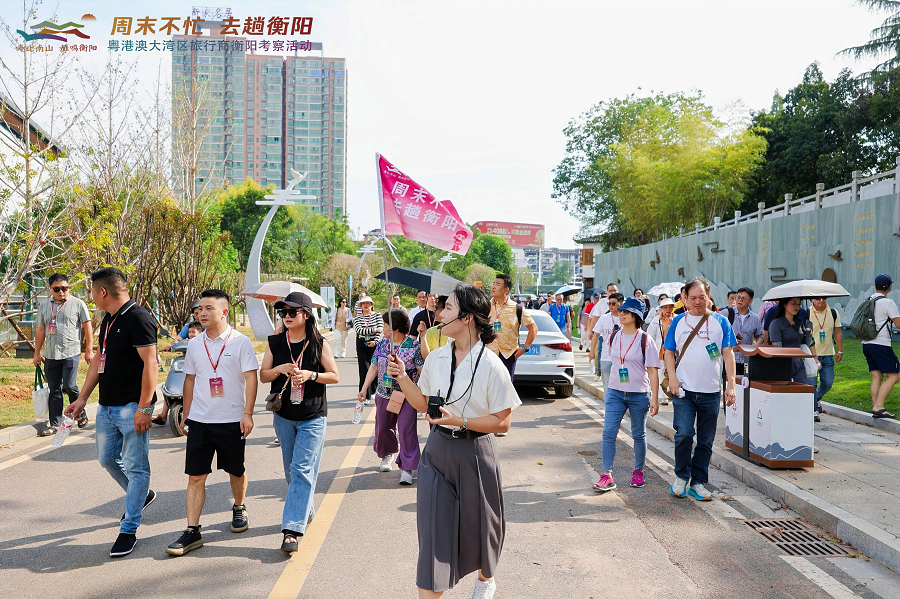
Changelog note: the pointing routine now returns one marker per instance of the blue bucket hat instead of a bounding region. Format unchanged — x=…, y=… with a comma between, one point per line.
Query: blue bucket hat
x=635, y=306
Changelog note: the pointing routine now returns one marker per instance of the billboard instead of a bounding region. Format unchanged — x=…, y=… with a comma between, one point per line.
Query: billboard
x=515, y=234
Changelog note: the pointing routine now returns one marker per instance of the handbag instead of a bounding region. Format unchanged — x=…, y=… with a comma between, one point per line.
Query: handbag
x=665, y=381
x=40, y=394
x=273, y=400
x=809, y=364
x=396, y=403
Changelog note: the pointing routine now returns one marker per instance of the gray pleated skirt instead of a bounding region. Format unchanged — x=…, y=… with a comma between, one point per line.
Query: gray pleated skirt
x=459, y=507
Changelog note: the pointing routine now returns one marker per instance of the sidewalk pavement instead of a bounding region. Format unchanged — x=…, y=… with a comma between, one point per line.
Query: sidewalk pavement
x=852, y=492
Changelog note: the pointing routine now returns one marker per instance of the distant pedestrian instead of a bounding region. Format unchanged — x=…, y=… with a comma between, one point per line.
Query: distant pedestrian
x=396, y=305
x=126, y=371
x=459, y=506
x=746, y=325
x=730, y=299
x=703, y=341
x=61, y=321
x=602, y=331
x=369, y=331
x=584, y=321
x=788, y=329
x=561, y=314
x=545, y=306
x=507, y=319
x=390, y=418
x=600, y=308
x=635, y=388
x=826, y=333
x=433, y=338
x=421, y=302
x=425, y=316
x=340, y=325
x=681, y=302
x=220, y=383
x=880, y=357
x=658, y=329
x=299, y=364
x=185, y=330
x=357, y=307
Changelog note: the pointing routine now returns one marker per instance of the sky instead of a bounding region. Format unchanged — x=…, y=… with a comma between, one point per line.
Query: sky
x=471, y=98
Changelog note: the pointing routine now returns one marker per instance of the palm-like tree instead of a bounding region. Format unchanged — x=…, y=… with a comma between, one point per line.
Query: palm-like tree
x=884, y=41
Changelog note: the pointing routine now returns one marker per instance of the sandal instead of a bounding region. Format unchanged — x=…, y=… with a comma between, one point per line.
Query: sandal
x=289, y=544
x=83, y=419
x=158, y=419
x=48, y=432
x=882, y=413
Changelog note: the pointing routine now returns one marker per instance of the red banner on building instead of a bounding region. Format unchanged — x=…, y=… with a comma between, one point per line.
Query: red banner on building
x=515, y=234
x=409, y=209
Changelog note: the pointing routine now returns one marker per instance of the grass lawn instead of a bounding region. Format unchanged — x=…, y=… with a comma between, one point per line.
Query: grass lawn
x=17, y=377
x=852, y=380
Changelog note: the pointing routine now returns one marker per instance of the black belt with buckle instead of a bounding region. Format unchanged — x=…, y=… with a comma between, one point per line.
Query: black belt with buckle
x=460, y=434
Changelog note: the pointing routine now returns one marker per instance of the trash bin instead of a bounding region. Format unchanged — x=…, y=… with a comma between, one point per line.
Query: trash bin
x=771, y=422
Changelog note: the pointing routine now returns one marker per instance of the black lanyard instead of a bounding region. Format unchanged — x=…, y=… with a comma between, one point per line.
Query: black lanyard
x=453, y=374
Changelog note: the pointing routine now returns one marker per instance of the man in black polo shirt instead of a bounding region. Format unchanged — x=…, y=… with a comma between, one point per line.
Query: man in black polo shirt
x=127, y=370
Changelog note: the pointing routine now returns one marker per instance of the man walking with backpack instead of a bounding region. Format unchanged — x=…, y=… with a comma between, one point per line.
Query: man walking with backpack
x=871, y=324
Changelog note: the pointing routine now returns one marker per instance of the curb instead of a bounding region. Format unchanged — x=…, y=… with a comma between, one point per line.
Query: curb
x=860, y=417
x=867, y=538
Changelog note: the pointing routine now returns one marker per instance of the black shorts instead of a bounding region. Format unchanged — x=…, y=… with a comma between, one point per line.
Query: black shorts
x=222, y=439
x=881, y=358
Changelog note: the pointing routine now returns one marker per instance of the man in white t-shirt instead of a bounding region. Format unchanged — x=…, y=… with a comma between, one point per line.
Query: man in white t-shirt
x=606, y=324
x=601, y=307
x=421, y=300
x=883, y=364
x=697, y=386
x=220, y=369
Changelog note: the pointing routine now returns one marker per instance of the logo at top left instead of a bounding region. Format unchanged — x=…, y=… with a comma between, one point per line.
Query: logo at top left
x=46, y=30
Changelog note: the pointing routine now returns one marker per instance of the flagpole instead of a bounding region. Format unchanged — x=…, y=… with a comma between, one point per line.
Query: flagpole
x=384, y=243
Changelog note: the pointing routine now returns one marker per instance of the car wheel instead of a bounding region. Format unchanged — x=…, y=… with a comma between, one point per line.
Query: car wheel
x=564, y=390
x=175, y=419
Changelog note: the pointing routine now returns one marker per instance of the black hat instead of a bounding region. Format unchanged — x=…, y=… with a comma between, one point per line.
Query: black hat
x=295, y=299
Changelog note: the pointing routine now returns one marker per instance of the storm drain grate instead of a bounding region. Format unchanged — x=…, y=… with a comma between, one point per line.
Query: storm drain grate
x=793, y=537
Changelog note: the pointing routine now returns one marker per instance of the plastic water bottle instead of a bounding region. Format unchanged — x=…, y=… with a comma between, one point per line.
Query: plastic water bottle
x=62, y=433
x=357, y=413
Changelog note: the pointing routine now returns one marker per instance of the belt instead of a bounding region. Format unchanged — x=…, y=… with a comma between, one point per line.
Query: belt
x=460, y=434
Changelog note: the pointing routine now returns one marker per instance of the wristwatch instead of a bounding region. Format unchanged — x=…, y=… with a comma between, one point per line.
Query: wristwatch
x=465, y=423
x=314, y=376
x=148, y=410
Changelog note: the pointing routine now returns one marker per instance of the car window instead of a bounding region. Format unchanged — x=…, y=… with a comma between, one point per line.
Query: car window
x=543, y=321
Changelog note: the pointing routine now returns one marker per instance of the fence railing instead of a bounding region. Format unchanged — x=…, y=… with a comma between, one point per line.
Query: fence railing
x=859, y=189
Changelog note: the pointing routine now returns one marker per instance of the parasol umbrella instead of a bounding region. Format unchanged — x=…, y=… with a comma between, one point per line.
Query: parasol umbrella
x=273, y=291
x=567, y=290
x=423, y=279
x=806, y=289
x=670, y=289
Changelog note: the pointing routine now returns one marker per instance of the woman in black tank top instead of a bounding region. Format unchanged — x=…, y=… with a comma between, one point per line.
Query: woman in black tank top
x=299, y=364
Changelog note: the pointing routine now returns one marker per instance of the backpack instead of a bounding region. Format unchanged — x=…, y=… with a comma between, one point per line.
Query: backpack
x=643, y=342
x=731, y=314
x=519, y=315
x=863, y=323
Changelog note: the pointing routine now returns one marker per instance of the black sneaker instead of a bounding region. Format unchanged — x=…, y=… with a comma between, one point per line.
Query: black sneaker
x=124, y=545
x=151, y=497
x=189, y=540
x=239, y=521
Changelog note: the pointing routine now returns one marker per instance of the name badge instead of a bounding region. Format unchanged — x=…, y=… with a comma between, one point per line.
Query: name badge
x=623, y=375
x=386, y=381
x=216, y=388
x=51, y=327
x=821, y=335
x=713, y=350
x=497, y=326
x=296, y=392
x=101, y=365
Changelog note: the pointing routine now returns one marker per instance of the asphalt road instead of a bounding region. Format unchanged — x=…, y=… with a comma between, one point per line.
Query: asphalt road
x=60, y=515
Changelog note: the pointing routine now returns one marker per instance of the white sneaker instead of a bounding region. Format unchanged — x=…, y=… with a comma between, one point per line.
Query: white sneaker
x=406, y=477
x=386, y=463
x=483, y=589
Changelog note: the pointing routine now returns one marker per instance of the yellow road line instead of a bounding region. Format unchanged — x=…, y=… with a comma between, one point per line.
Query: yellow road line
x=294, y=575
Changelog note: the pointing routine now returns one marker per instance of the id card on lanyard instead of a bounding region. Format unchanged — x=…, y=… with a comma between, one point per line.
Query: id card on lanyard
x=216, y=385
x=101, y=362
x=296, y=386
x=623, y=371
x=51, y=326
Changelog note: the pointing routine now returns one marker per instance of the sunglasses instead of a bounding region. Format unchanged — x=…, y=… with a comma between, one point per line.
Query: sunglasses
x=819, y=299
x=59, y=289
x=288, y=312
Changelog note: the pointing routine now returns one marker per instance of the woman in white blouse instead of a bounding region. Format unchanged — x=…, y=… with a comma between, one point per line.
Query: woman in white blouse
x=460, y=512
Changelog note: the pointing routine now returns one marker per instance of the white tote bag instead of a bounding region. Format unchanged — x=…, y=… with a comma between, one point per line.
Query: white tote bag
x=40, y=394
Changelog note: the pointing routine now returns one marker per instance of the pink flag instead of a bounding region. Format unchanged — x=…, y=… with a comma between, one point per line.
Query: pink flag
x=408, y=209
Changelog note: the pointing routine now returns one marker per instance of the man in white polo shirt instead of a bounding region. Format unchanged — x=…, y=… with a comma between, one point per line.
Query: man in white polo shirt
x=219, y=392
x=697, y=385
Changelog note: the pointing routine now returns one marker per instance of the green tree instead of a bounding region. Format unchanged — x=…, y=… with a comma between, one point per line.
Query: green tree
x=884, y=40
x=479, y=272
x=559, y=273
x=241, y=217
x=492, y=251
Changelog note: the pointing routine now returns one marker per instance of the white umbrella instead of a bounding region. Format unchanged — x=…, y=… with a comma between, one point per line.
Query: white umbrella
x=273, y=291
x=670, y=289
x=805, y=289
x=567, y=290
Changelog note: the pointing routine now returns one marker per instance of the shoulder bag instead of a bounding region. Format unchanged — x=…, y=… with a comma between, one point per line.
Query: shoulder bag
x=665, y=381
x=273, y=400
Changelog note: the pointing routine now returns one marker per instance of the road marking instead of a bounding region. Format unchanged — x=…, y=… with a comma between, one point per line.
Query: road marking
x=290, y=583
x=822, y=579
x=72, y=440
